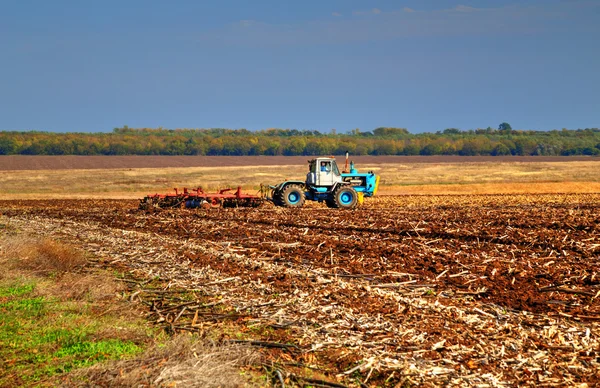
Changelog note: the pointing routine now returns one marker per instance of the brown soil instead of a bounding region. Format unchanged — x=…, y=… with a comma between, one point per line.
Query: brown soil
x=42, y=162
x=478, y=272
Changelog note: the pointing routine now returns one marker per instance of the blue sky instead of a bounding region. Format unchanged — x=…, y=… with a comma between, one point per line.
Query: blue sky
x=87, y=66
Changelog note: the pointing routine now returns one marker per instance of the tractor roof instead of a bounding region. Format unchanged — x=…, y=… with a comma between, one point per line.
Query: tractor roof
x=322, y=158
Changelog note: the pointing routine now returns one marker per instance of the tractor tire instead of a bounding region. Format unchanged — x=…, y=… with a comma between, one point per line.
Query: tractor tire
x=345, y=197
x=292, y=196
x=330, y=203
x=277, y=198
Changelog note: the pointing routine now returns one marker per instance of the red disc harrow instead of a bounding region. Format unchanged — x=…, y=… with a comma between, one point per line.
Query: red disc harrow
x=197, y=198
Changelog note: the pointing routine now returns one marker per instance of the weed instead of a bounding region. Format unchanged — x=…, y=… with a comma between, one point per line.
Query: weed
x=42, y=256
x=184, y=361
x=86, y=353
x=17, y=290
x=33, y=306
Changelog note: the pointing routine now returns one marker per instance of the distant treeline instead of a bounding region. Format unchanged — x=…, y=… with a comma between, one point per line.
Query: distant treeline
x=380, y=141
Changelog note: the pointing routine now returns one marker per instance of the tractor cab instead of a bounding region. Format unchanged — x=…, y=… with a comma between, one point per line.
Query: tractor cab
x=323, y=172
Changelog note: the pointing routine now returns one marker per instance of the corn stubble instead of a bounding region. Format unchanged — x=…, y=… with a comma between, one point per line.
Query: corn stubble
x=485, y=290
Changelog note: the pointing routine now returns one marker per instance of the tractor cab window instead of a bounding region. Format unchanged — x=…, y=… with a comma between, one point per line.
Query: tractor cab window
x=312, y=166
x=336, y=171
x=325, y=166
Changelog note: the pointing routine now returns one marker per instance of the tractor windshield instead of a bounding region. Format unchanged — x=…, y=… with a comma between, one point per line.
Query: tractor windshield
x=335, y=169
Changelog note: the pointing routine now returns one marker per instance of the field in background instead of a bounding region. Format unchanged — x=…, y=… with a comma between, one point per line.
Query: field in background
x=130, y=177
x=77, y=162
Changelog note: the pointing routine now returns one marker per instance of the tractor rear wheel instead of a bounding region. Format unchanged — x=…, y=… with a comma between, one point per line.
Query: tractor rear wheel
x=292, y=196
x=345, y=197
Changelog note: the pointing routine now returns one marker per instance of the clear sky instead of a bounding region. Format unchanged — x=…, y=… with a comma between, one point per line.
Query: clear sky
x=426, y=65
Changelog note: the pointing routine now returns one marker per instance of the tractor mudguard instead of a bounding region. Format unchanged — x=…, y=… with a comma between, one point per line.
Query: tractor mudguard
x=282, y=185
x=278, y=189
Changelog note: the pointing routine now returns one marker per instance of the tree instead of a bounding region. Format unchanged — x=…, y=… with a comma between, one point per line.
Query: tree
x=431, y=149
x=387, y=131
x=295, y=147
x=7, y=146
x=476, y=146
x=504, y=127
x=500, y=149
x=525, y=146
x=452, y=131
x=275, y=141
x=384, y=147
x=412, y=148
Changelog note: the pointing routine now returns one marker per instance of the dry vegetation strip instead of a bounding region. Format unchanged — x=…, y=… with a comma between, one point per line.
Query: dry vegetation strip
x=413, y=178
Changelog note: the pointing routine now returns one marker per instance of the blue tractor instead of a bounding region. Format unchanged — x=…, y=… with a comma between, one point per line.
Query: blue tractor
x=325, y=183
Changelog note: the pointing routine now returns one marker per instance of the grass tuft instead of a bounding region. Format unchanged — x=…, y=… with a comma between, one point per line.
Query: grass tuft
x=17, y=290
x=43, y=256
x=183, y=362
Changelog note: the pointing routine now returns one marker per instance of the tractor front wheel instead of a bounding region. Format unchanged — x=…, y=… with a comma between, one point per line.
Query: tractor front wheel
x=292, y=196
x=345, y=197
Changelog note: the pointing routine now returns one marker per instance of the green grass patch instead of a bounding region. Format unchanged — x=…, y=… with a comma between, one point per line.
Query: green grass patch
x=16, y=290
x=42, y=336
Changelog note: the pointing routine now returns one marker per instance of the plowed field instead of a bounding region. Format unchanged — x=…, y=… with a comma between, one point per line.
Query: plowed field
x=76, y=162
x=415, y=290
